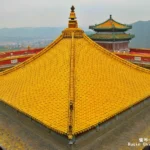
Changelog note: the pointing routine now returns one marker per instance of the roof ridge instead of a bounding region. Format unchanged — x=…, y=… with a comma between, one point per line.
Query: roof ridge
x=121, y=23
x=33, y=57
x=71, y=89
x=102, y=22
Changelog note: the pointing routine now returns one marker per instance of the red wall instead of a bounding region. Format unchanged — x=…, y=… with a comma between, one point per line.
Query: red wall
x=17, y=53
x=140, y=51
x=20, y=52
x=8, y=62
x=132, y=58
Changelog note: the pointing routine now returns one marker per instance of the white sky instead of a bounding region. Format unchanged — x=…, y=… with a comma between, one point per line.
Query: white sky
x=41, y=13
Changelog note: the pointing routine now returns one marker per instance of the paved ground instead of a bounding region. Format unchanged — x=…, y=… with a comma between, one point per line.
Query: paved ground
x=15, y=136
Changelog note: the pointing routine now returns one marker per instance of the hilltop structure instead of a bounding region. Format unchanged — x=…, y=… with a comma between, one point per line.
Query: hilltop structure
x=111, y=35
x=70, y=86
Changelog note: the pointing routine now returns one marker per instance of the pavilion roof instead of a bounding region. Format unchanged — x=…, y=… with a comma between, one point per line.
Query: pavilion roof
x=111, y=37
x=74, y=84
x=110, y=24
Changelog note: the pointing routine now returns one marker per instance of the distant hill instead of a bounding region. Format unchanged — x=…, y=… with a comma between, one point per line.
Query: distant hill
x=20, y=34
x=141, y=30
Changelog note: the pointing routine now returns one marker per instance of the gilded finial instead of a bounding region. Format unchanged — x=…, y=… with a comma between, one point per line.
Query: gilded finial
x=72, y=22
x=72, y=13
x=72, y=8
x=110, y=16
x=72, y=32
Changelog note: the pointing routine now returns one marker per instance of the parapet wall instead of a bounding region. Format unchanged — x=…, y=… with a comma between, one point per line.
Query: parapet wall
x=112, y=124
x=83, y=141
x=55, y=140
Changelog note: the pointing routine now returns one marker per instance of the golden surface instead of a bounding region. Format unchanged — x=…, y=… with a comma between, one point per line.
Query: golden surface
x=105, y=85
x=40, y=88
x=74, y=84
x=111, y=24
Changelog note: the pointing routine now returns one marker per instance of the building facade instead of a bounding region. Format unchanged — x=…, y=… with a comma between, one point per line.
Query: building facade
x=111, y=35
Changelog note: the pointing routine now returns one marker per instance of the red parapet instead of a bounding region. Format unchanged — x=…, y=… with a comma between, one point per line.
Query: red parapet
x=13, y=58
x=127, y=57
x=134, y=57
x=20, y=52
x=139, y=51
x=16, y=57
x=13, y=61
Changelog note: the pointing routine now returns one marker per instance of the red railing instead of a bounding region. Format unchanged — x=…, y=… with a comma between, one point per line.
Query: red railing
x=15, y=57
x=139, y=51
x=20, y=52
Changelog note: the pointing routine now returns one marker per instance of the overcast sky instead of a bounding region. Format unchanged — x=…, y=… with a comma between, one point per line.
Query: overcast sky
x=45, y=13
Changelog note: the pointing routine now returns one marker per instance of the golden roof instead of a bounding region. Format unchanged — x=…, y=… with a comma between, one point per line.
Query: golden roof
x=110, y=24
x=74, y=84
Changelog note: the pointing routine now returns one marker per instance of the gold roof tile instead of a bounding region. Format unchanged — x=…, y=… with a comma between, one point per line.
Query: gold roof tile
x=74, y=84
